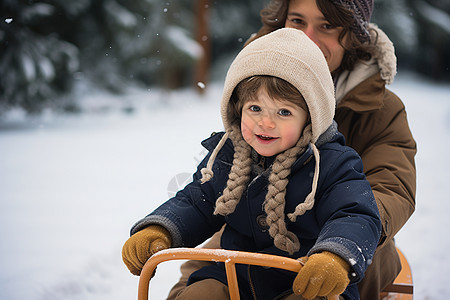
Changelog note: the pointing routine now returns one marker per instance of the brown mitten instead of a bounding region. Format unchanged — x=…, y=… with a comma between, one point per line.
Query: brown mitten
x=143, y=244
x=324, y=274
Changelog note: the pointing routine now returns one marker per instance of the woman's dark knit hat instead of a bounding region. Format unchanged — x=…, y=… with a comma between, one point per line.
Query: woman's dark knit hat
x=362, y=12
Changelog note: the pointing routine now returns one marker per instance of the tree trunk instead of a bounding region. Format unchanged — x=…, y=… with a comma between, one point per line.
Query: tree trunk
x=203, y=39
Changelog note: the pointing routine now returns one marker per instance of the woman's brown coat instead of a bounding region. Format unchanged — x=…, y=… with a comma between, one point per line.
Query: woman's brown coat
x=373, y=121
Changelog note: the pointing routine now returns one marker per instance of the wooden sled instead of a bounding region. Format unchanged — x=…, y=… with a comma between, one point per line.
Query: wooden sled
x=401, y=289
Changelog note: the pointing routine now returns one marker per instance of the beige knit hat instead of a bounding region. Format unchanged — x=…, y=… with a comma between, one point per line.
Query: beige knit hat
x=290, y=55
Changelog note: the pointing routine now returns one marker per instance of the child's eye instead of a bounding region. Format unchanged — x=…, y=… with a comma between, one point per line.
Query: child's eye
x=284, y=112
x=255, y=108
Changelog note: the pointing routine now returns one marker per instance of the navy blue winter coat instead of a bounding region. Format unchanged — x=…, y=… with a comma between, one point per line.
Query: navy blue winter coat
x=344, y=219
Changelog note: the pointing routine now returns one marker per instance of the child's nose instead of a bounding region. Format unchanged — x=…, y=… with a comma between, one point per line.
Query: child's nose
x=267, y=121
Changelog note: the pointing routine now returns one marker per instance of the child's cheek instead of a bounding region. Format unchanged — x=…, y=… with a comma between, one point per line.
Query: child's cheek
x=246, y=131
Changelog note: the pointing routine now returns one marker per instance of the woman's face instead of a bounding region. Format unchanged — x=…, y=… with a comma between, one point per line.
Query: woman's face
x=306, y=16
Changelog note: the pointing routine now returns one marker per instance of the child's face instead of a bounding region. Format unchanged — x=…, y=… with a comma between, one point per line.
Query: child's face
x=271, y=126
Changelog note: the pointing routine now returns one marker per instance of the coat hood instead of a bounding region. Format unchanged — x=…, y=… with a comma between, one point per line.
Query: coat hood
x=383, y=61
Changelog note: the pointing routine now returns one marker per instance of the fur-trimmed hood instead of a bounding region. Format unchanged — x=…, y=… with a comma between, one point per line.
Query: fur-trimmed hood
x=383, y=60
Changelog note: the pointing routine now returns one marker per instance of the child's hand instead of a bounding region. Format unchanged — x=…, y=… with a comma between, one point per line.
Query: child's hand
x=143, y=244
x=324, y=274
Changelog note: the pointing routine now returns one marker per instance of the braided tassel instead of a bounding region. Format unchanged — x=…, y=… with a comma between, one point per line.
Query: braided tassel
x=239, y=175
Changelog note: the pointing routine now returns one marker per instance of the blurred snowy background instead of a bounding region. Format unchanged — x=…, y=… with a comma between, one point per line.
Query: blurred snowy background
x=101, y=110
x=51, y=50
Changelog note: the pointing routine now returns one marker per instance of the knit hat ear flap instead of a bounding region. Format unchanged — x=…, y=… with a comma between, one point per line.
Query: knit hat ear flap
x=239, y=175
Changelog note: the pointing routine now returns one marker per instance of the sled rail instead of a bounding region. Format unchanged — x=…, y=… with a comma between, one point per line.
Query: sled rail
x=230, y=258
x=402, y=287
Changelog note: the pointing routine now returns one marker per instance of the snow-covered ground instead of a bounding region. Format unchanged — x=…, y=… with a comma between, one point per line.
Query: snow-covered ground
x=71, y=187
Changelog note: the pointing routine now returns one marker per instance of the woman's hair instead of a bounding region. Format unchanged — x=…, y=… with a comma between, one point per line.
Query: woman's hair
x=275, y=87
x=274, y=16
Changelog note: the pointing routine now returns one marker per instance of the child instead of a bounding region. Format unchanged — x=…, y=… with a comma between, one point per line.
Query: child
x=279, y=178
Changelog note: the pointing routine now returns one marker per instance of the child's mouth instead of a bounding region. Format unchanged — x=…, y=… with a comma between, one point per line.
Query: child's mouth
x=265, y=137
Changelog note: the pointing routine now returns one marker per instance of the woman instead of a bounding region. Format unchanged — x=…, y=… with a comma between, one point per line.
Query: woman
x=373, y=120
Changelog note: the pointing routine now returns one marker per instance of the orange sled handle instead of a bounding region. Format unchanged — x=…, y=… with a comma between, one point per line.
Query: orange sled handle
x=230, y=258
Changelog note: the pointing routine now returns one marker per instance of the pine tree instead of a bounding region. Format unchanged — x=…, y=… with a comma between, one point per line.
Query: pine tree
x=231, y=24
x=146, y=42
x=46, y=46
x=433, y=31
x=35, y=63
x=420, y=30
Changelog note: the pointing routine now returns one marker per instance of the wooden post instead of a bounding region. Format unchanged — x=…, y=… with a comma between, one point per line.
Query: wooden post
x=203, y=39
